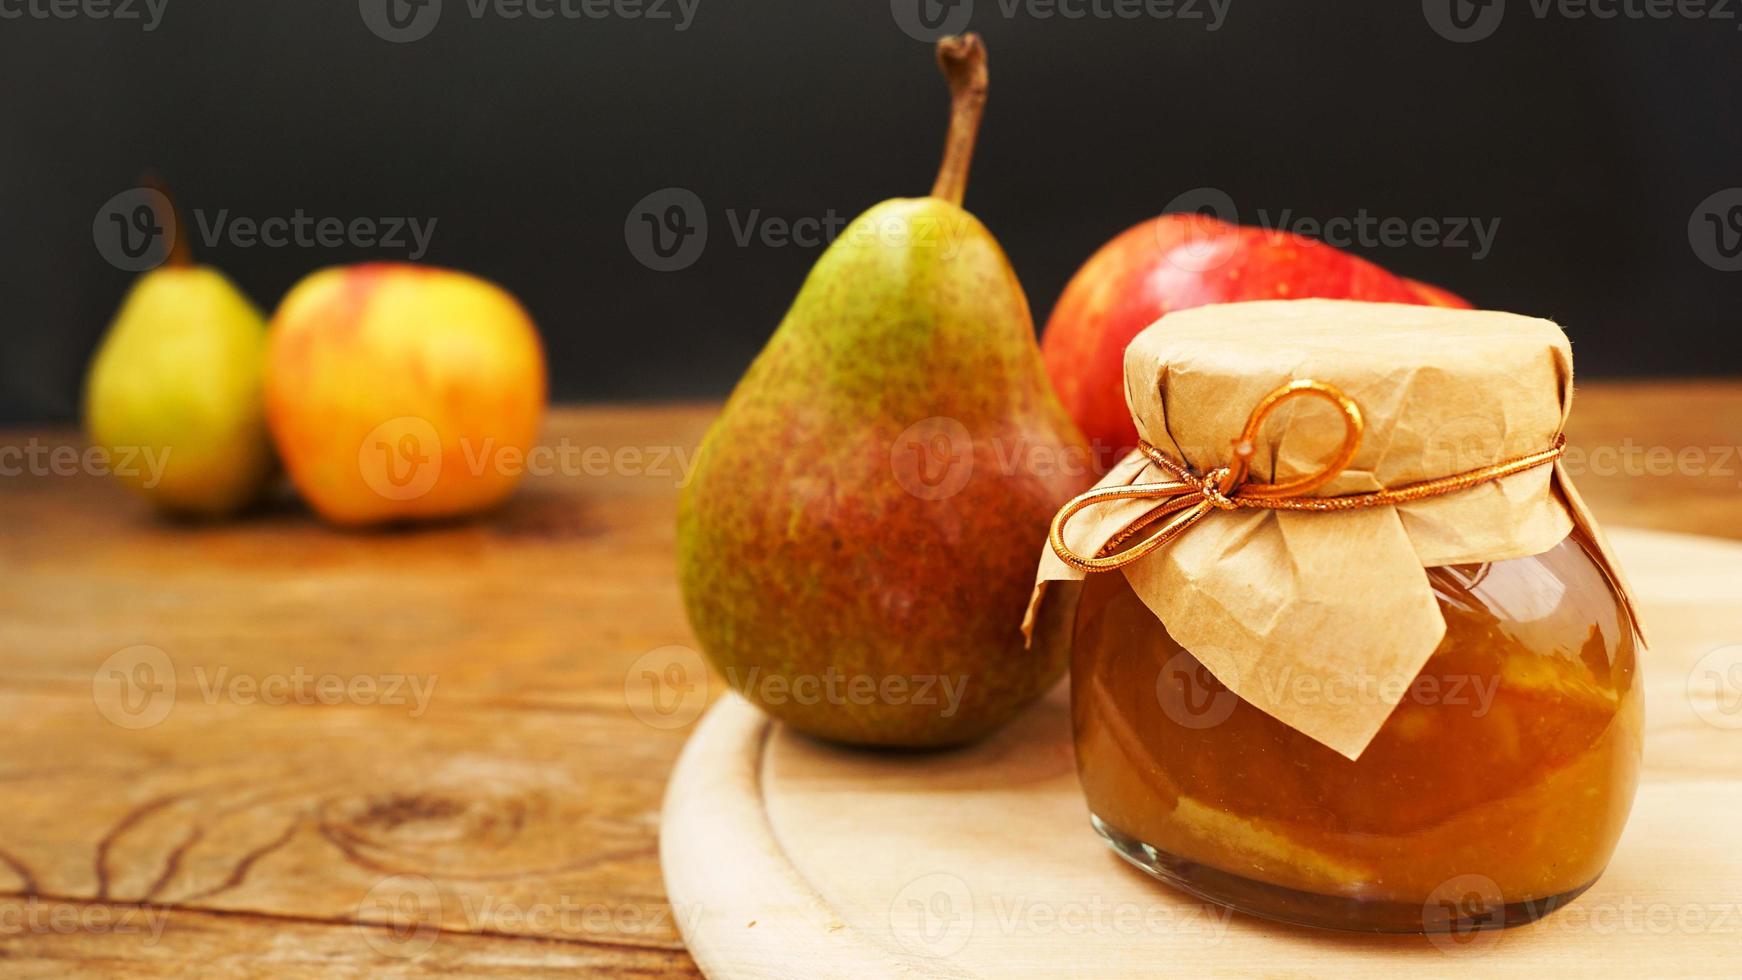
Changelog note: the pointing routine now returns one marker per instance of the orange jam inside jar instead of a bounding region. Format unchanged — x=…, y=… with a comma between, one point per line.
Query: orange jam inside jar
x=1494, y=792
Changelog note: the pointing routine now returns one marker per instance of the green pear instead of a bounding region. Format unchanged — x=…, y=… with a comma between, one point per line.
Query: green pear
x=174, y=393
x=857, y=542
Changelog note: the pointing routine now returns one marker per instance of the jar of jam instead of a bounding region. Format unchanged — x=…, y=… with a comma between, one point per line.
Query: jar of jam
x=1487, y=786
x=1506, y=772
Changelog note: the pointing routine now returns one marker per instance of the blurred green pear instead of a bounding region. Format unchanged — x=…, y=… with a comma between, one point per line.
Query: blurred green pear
x=174, y=393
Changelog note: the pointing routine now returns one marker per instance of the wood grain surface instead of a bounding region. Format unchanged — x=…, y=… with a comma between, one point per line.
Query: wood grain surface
x=275, y=748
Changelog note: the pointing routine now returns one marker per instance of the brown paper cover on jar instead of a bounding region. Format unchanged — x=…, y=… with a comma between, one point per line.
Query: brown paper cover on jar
x=1274, y=603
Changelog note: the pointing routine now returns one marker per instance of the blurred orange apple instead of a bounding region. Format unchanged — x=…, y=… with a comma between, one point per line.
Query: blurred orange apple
x=400, y=392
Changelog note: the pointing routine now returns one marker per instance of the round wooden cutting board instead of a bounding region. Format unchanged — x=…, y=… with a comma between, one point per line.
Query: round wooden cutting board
x=784, y=857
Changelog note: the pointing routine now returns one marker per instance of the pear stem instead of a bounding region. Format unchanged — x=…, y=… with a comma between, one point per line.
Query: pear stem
x=181, y=255
x=963, y=60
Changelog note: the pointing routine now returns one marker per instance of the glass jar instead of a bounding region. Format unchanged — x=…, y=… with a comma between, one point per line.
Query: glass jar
x=1493, y=794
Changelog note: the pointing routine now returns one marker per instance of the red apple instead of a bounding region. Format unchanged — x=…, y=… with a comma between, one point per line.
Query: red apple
x=1175, y=262
x=1432, y=295
x=400, y=392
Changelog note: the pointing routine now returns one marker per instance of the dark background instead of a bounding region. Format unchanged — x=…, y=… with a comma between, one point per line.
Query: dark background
x=529, y=141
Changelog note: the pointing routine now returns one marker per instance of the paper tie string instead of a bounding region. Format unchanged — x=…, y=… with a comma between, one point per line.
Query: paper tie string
x=1189, y=498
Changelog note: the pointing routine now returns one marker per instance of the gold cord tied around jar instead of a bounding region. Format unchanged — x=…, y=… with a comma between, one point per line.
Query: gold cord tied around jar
x=1188, y=498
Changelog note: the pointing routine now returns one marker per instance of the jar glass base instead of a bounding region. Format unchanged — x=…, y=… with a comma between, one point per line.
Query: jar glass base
x=1462, y=911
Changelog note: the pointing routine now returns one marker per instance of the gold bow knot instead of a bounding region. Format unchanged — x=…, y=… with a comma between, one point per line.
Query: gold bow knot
x=1189, y=497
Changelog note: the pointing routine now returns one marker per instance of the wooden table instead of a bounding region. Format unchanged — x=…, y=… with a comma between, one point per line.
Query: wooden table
x=480, y=793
